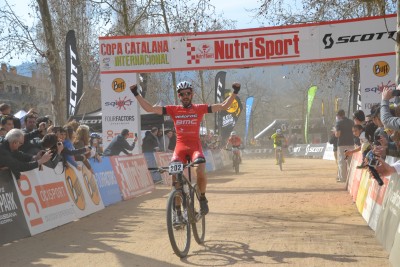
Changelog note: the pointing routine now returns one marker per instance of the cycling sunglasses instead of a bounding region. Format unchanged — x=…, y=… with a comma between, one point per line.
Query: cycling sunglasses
x=185, y=94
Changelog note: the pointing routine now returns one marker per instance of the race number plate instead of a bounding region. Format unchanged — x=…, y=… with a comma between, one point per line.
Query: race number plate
x=175, y=167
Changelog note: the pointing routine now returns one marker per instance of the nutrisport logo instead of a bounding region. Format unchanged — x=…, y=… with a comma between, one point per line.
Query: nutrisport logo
x=198, y=53
x=329, y=40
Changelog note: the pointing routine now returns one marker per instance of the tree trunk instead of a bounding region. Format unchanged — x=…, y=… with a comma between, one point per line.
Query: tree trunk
x=54, y=62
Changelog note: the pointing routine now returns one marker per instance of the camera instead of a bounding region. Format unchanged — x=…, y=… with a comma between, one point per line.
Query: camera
x=396, y=93
x=372, y=161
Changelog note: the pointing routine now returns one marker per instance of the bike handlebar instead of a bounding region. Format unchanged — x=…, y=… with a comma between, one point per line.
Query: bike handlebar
x=165, y=169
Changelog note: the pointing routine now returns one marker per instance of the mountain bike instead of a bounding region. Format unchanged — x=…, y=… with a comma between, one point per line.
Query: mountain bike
x=235, y=158
x=183, y=202
x=279, y=156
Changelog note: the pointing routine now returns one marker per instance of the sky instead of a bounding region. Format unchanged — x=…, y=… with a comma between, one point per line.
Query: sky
x=234, y=10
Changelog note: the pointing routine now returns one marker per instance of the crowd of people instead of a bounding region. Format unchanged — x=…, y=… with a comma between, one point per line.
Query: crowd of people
x=376, y=135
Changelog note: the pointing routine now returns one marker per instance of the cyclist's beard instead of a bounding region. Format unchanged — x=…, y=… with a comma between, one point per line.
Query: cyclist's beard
x=186, y=102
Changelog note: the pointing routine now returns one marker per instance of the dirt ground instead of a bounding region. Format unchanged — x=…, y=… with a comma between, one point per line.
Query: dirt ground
x=261, y=217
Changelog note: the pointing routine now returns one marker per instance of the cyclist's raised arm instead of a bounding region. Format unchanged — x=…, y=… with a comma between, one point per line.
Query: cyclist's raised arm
x=144, y=103
x=228, y=102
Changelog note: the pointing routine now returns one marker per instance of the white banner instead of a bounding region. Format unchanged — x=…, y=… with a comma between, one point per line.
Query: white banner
x=119, y=108
x=325, y=41
x=44, y=199
x=375, y=73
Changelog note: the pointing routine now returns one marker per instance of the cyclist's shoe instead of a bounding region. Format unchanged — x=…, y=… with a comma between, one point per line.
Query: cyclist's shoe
x=178, y=221
x=203, y=206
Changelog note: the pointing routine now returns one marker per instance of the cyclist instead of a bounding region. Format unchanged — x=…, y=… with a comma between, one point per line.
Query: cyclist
x=187, y=118
x=235, y=141
x=279, y=141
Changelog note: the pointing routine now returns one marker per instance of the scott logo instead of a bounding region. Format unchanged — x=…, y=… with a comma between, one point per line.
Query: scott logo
x=329, y=41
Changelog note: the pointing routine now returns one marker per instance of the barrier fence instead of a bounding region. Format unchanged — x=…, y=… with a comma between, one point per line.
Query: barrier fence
x=42, y=200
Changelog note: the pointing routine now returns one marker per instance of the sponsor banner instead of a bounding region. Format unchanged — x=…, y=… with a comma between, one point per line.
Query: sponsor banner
x=120, y=109
x=209, y=160
x=162, y=159
x=363, y=191
x=373, y=203
x=74, y=74
x=329, y=154
x=219, y=97
x=12, y=219
x=310, y=150
x=106, y=181
x=389, y=218
x=132, y=175
x=83, y=190
x=45, y=198
x=375, y=73
x=323, y=41
x=355, y=175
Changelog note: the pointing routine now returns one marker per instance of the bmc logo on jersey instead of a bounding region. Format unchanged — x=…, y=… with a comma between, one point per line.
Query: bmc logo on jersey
x=186, y=122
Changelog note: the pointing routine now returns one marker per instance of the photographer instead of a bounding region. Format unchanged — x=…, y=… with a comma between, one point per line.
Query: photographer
x=50, y=143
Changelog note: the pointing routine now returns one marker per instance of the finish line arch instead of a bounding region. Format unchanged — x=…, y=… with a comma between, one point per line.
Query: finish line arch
x=123, y=56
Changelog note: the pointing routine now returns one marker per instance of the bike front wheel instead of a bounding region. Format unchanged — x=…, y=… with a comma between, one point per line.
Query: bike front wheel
x=198, y=221
x=179, y=233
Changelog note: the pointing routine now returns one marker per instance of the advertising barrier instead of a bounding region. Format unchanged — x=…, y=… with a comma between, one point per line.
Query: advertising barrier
x=45, y=199
x=106, y=181
x=12, y=220
x=162, y=159
x=132, y=175
x=309, y=150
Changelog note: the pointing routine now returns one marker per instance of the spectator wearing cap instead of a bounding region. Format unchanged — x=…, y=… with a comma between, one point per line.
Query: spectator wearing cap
x=344, y=134
x=120, y=144
x=150, y=141
x=18, y=161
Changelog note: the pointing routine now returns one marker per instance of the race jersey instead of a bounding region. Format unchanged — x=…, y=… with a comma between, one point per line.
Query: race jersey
x=278, y=139
x=235, y=140
x=187, y=121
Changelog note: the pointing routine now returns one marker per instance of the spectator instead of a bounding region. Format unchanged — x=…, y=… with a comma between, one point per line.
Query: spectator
x=5, y=109
x=172, y=141
x=358, y=119
x=358, y=131
x=150, y=141
x=3, y=132
x=333, y=141
x=96, y=150
x=18, y=161
x=30, y=123
x=50, y=143
x=7, y=122
x=344, y=134
x=119, y=144
x=67, y=142
x=161, y=137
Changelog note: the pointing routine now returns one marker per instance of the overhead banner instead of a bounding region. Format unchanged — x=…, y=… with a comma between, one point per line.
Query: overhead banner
x=293, y=44
x=74, y=74
x=219, y=96
x=249, y=105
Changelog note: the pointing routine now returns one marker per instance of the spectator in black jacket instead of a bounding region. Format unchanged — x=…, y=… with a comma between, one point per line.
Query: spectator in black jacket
x=119, y=144
x=17, y=161
x=150, y=141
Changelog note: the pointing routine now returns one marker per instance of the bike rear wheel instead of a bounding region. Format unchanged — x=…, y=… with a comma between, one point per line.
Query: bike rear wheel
x=236, y=163
x=198, y=221
x=179, y=235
